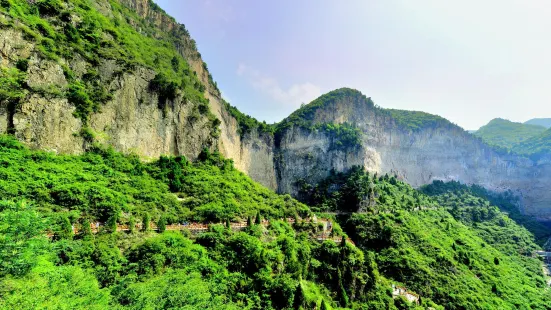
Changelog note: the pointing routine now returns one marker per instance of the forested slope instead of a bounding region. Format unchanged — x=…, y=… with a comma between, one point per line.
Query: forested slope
x=506, y=134
x=402, y=237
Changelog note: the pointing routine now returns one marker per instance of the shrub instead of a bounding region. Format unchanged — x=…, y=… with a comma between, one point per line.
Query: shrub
x=22, y=65
x=166, y=89
x=78, y=95
x=49, y=7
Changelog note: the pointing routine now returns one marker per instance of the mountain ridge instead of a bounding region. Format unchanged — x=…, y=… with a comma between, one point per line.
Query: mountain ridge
x=154, y=105
x=506, y=134
x=545, y=122
x=123, y=170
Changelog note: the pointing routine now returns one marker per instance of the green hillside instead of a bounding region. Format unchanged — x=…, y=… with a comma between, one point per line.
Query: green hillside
x=545, y=122
x=462, y=253
x=96, y=230
x=403, y=237
x=506, y=134
x=535, y=147
x=416, y=120
x=67, y=31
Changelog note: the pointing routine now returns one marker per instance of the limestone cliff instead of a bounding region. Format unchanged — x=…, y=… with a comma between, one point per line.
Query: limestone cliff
x=438, y=151
x=134, y=117
x=131, y=120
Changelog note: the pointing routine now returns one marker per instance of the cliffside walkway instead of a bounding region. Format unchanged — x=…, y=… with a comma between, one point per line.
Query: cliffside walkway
x=196, y=228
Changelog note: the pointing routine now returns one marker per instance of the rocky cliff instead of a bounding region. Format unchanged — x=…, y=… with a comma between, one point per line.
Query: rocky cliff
x=435, y=150
x=131, y=119
x=64, y=97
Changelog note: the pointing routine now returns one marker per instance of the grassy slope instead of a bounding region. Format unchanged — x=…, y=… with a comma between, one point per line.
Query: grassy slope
x=42, y=191
x=507, y=134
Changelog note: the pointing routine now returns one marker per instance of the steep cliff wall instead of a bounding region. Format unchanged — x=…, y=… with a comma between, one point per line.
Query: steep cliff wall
x=440, y=151
x=253, y=152
x=132, y=120
x=136, y=118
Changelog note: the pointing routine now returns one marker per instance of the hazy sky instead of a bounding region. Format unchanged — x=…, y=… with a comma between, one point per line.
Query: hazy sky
x=469, y=61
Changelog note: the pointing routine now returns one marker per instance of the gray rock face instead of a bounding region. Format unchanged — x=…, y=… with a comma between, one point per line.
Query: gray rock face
x=418, y=157
x=48, y=123
x=133, y=122
x=45, y=75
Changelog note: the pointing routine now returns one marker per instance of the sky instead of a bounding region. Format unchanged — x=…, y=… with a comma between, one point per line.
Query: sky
x=468, y=61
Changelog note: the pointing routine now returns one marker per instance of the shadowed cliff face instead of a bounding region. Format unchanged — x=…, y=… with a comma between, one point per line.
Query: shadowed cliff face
x=132, y=121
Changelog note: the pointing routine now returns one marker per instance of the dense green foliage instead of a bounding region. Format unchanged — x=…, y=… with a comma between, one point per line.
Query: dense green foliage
x=530, y=139
x=342, y=135
x=358, y=191
x=102, y=183
x=415, y=120
x=259, y=268
x=479, y=258
x=215, y=191
x=11, y=81
x=506, y=134
x=404, y=237
x=473, y=204
x=247, y=123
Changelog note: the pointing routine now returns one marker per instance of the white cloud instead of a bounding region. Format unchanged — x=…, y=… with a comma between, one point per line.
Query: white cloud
x=294, y=95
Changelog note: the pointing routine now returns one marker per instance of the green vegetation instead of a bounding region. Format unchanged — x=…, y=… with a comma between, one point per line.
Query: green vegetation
x=530, y=139
x=215, y=191
x=535, y=147
x=11, y=85
x=247, y=123
x=259, y=268
x=358, y=191
x=506, y=134
x=477, y=258
x=403, y=237
x=472, y=204
x=64, y=29
x=342, y=135
x=102, y=183
x=415, y=120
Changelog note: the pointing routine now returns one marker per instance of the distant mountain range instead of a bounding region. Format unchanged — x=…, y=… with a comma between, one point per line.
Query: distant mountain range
x=545, y=122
